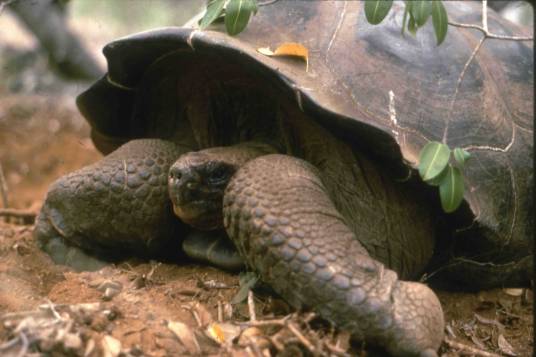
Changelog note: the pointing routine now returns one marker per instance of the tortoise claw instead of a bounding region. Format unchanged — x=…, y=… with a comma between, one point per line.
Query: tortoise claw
x=54, y=244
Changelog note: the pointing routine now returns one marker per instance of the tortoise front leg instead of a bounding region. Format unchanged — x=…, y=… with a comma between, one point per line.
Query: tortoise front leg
x=277, y=212
x=114, y=208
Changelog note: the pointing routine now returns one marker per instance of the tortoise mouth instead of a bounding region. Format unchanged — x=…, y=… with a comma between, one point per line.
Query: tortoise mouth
x=203, y=214
x=198, y=215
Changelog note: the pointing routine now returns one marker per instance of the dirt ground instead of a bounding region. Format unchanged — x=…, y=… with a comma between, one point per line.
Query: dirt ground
x=148, y=308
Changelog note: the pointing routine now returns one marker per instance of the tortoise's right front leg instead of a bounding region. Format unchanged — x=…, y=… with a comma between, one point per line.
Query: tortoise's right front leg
x=277, y=212
x=116, y=207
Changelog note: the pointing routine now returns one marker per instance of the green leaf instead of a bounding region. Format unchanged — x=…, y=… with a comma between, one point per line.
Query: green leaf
x=237, y=15
x=214, y=9
x=376, y=10
x=440, y=20
x=451, y=189
x=433, y=159
x=412, y=27
x=436, y=181
x=247, y=281
x=421, y=10
x=461, y=156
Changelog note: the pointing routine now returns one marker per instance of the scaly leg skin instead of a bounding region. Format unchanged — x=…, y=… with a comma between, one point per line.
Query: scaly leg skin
x=113, y=208
x=277, y=212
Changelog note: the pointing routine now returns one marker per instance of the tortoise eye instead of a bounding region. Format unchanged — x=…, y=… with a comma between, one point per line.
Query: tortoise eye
x=218, y=175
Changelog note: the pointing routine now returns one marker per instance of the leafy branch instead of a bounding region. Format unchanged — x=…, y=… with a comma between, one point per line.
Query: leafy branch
x=235, y=13
x=438, y=164
x=416, y=14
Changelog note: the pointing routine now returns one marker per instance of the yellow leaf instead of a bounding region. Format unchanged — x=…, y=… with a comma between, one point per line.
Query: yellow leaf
x=223, y=332
x=290, y=49
x=216, y=333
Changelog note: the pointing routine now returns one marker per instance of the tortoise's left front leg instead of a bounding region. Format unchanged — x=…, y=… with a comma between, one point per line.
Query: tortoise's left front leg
x=277, y=212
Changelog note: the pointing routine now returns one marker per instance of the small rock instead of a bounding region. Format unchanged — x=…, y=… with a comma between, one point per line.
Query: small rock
x=111, y=347
x=110, y=284
x=110, y=293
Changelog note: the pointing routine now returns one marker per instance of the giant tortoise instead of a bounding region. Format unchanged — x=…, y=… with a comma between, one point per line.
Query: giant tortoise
x=307, y=169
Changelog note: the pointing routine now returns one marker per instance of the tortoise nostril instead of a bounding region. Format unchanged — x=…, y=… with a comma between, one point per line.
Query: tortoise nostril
x=184, y=177
x=175, y=173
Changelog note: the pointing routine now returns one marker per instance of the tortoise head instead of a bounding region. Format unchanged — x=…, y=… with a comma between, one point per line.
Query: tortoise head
x=197, y=181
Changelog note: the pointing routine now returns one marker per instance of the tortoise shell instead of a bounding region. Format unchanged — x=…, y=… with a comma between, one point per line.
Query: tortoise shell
x=352, y=67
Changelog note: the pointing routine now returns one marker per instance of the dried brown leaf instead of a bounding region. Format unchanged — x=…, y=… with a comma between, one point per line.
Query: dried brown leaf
x=288, y=49
x=505, y=346
x=223, y=332
x=186, y=336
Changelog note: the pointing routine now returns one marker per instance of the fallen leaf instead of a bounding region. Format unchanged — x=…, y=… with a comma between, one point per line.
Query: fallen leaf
x=505, y=346
x=478, y=343
x=288, y=49
x=486, y=321
x=186, y=336
x=513, y=292
x=223, y=332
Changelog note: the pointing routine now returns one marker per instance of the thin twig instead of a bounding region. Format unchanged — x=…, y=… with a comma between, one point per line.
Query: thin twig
x=278, y=346
x=9, y=344
x=52, y=309
x=251, y=306
x=3, y=184
x=491, y=35
x=336, y=350
x=459, y=83
x=301, y=337
x=220, y=311
x=487, y=34
x=16, y=213
x=4, y=4
x=485, y=29
x=468, y=349
x=272, y=322
x=485, y=15
x=25, y=345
